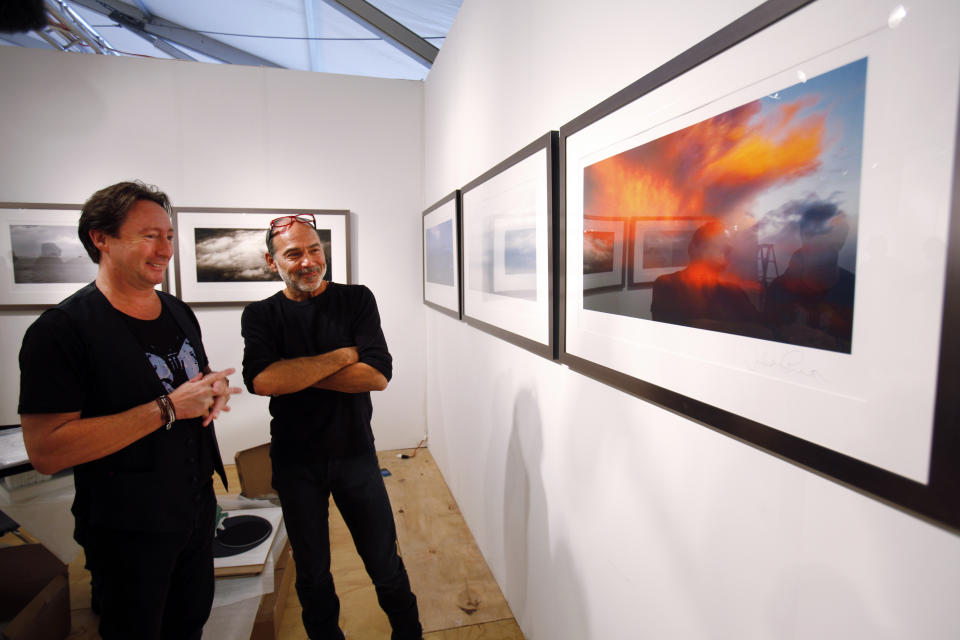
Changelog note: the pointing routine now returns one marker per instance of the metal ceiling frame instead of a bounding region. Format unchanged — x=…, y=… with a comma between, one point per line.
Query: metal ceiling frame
x=167, y=32
x=371, y=18
x=74, y=28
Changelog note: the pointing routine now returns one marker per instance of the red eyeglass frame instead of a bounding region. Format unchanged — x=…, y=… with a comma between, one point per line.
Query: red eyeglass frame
x=280, y=224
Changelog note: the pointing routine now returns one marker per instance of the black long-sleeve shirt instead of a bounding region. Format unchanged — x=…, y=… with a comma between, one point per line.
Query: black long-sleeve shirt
x=316, y=424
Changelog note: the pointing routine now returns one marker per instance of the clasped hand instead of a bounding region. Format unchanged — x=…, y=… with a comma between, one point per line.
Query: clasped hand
x=204, y=396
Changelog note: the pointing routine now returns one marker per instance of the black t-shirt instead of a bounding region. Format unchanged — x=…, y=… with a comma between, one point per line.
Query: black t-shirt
x=316, y=424
x=53, y=357
x=84, y=355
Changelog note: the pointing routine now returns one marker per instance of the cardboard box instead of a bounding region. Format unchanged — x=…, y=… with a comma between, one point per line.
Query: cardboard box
x=266, y=626
x=254, y=471
x=253, y=468
x=34, y=594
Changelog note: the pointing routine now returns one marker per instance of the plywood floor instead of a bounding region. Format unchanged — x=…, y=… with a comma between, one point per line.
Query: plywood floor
x=458, y=597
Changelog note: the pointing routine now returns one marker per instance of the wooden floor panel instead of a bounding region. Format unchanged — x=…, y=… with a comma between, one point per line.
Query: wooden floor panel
x=451, y=579
x=500, y=630
x=458, y=597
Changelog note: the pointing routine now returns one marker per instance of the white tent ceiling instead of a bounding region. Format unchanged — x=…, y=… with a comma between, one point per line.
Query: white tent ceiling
x=381, y=38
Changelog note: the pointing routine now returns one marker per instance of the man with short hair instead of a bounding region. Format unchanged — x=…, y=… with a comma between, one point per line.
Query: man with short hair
x=114, y=382
x=317, y=349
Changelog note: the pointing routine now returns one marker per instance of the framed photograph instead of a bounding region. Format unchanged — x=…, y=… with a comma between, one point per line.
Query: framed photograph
x=221, y=252
x=441, y=255
x=43, y=258
x=604, y=250
x=509, y=217
x=792, y=213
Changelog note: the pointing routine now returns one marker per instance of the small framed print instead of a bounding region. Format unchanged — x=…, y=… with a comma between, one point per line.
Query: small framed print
x=441, y=255
x=509, y=248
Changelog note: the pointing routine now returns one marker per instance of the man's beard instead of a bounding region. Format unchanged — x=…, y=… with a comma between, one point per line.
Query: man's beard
x=294, y=281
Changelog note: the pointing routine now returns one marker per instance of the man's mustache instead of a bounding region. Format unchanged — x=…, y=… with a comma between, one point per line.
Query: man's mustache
x=310, y=270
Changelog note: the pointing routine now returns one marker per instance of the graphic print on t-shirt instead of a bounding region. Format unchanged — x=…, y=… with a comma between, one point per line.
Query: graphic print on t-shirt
x=174, y=368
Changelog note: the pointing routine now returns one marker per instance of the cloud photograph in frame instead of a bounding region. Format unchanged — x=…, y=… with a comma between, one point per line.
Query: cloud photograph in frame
x=237, y=255
x=776, y=178
x=221, y=252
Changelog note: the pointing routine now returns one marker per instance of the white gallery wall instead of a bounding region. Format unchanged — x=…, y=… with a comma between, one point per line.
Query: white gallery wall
x=226, y=136
x=602, y=516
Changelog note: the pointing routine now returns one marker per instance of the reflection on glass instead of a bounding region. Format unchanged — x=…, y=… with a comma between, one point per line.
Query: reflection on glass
x=665, y=248
x=713, y=205
x=598, y=247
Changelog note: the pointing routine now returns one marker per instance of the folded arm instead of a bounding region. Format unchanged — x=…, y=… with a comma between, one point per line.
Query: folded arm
x=295, y=374
x=356, y=378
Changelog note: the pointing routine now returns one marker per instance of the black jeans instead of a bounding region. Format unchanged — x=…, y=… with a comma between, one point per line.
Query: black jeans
x=358, y=490
x=149, y=585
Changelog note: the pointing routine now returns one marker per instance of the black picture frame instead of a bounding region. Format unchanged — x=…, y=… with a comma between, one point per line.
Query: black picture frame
x=432, y=299
x=548, y=347
x=937, y=500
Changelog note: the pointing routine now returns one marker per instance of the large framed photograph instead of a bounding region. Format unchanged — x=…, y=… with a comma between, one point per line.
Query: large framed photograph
x=509, y=279
x=441, y=255
x=221, y=252
x=43, y=258
x=790, y=275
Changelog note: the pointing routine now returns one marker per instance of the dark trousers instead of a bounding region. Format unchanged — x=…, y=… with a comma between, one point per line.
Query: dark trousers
x=358, y=490
x=149, y=585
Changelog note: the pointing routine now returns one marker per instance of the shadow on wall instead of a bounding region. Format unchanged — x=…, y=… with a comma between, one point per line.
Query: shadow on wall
x=541, y=587
x=833, y=607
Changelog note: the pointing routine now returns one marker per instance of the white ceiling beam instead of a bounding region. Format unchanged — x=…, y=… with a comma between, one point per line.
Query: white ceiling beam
x=23, y=40
x=313, y=46
x=132, y=18
x=390, y=30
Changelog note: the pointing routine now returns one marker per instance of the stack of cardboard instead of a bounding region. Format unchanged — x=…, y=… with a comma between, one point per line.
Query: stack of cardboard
x=34, y=594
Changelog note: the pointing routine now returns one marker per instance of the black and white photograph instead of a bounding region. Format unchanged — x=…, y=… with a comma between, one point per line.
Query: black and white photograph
x=221, y=252
x=236, y=255
x=43, y=260
x=49, y=254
